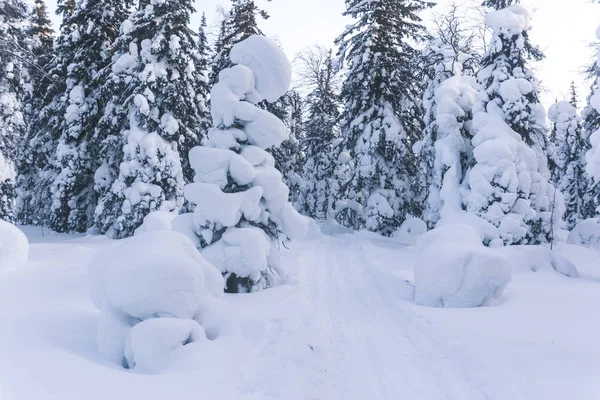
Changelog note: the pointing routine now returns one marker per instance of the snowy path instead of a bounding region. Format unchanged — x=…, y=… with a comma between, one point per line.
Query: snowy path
x=345, y=328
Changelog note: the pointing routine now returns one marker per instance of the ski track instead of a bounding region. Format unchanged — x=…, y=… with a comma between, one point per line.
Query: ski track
x=363, y=341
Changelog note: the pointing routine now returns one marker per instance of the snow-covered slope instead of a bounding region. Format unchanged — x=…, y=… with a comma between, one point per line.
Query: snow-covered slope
x=344, y=328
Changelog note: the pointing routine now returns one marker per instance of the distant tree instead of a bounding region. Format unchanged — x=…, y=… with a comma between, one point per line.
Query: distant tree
x=568, y=154
x=320, y=76
x=573, y=94
x=13, y=80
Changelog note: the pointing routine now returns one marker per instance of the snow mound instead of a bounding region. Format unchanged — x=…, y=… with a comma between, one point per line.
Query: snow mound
x=586, y=234
x=152, y=343
x=453, y=269
x=149, y=288
x=538, y=258
x=410, y=231
x=158, y=273
x=156, y=221
x=331, y=227
x=14, y=247
x=269, y=65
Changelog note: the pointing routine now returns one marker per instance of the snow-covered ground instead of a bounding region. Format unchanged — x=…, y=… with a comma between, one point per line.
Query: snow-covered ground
x=345, y=327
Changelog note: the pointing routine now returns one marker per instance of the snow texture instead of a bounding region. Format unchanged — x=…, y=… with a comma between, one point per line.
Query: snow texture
x=14, y=247
x=453, y=269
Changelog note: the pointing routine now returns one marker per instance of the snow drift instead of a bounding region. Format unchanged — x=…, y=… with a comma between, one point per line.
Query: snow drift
x=454, y=269
x=14, y=247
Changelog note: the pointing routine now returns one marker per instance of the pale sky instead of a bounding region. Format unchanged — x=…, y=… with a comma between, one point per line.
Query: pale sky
x=562, y=28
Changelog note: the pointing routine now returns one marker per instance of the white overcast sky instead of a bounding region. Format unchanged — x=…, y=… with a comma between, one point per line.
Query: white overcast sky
x=562, y=28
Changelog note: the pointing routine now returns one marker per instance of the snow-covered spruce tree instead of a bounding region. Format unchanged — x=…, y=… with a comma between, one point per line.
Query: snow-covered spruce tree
x=288, y=156
x=41, y=43
x=203, y=89
x=37, y=169
x=239, y=24
x=95, y=26
x=509, y=180
x=41, y=34
x=447, y=110
x=153, y=116
x=379, y=54
x=569, y=148
x=241, y=202
x=13, y=79
x=591, y=134
x=319, y=75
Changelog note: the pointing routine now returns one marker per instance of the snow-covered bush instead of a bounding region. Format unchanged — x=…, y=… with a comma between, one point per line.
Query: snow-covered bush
x=157, y=274
x=242, y=207
x=586, y=233
x=14, y=246
x=453, y=269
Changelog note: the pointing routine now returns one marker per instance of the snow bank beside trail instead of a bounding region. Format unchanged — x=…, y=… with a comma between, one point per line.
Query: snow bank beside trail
x=538, y=258
x=14, y=247
x=154, y=275
x=453, y=269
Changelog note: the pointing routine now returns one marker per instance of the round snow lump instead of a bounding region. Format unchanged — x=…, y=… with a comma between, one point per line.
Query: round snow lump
x=268, y=63
x=453, y=269
x=154, y=274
